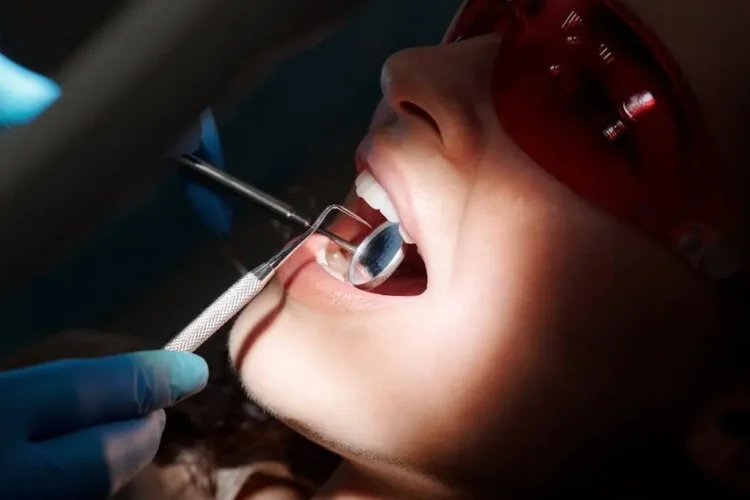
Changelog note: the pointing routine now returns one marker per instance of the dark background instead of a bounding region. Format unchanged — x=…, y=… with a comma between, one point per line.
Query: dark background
x=153, y=266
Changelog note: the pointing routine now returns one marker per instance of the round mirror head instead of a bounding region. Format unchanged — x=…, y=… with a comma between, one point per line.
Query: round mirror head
x=377, y=257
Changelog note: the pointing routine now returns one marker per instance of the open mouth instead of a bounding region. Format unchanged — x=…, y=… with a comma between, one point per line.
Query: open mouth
x=316, y=274
x=370, y=201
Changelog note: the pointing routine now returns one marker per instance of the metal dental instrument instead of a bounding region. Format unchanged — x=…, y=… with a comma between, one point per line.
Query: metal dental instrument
x=377, y=257
x=373, y=261
x=231, y=302
x=217, y=176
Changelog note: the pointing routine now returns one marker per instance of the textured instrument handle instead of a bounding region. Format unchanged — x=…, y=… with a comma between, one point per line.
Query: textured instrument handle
x=221, y=310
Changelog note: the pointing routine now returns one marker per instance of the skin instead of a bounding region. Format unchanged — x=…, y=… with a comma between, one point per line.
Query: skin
x=554, y=350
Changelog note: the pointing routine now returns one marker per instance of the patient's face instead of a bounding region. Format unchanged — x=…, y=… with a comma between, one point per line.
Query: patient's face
x=542, y=334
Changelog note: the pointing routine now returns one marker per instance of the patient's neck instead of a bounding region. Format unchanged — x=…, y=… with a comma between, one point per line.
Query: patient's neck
x=356, y=481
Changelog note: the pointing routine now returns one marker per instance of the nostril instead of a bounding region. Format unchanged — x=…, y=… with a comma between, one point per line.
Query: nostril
x=419, y=112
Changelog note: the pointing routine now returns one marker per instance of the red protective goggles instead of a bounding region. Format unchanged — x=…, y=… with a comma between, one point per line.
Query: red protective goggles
x=594, y=98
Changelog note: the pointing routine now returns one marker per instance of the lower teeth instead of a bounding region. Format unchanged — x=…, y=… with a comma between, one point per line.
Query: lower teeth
x=333, y=261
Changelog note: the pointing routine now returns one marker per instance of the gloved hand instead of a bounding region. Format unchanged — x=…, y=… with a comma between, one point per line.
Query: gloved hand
x=24, y=95
x=82, y=429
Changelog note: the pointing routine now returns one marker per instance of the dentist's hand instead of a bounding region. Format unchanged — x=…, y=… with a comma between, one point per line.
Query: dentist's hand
x=82, y=429
x=23, y=93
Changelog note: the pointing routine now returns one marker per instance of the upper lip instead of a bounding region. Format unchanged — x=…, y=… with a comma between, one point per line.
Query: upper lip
x=396, y=193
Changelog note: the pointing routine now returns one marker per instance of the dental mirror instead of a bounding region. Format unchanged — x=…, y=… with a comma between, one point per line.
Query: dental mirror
x=377, y=257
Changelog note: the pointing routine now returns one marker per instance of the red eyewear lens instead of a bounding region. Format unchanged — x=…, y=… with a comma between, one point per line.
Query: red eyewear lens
x=592, y=96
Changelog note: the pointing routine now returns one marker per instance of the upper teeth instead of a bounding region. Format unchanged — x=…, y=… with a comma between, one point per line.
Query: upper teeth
x=374, y=195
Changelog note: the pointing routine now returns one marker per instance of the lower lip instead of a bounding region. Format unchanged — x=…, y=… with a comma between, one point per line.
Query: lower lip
x=308, y=283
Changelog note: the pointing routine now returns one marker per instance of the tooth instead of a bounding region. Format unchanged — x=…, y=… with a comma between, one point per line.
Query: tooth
x=373, y=193
x=332, y=261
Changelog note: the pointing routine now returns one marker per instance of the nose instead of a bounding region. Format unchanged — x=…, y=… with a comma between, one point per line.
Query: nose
x=444, y=87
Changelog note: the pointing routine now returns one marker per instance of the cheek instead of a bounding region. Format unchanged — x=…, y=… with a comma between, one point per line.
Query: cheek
x=413, y=157
x=435, y=190
x=558, y=302
x=516, y=224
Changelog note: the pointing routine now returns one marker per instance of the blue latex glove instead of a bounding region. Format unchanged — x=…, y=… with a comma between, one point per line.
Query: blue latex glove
x=215, y=211
x=82, y=429
x=25, y=94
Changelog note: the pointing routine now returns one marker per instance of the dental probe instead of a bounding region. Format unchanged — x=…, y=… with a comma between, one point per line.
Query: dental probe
x=232, y=301
x=277, y=207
